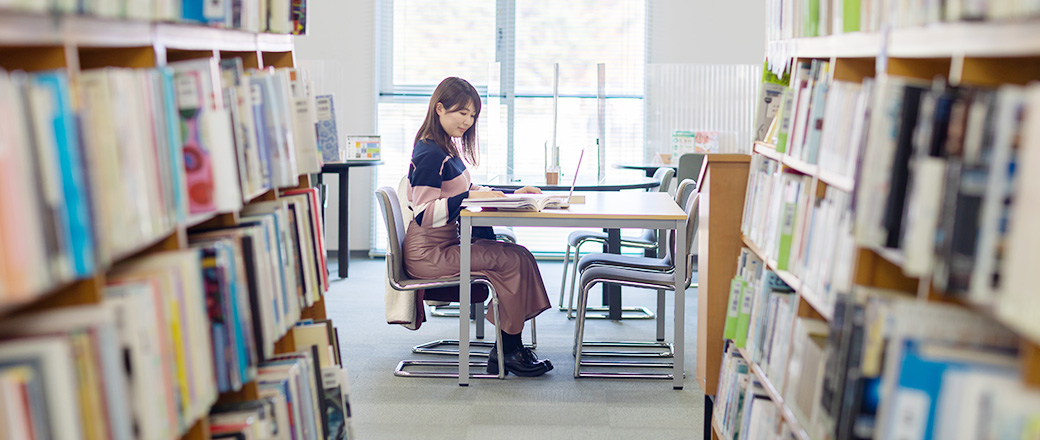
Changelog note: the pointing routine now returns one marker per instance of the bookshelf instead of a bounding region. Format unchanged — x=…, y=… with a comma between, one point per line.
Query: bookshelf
x=969, y=55
x=721, y=187
x=40, y=42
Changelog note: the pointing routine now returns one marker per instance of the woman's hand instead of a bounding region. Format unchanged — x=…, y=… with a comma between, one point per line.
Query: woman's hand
x=485, y=194
x=528, y=190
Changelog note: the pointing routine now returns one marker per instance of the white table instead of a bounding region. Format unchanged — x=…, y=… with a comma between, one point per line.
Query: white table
x=638, y=210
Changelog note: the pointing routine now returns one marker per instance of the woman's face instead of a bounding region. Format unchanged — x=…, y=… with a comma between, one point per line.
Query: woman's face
x=456, y=122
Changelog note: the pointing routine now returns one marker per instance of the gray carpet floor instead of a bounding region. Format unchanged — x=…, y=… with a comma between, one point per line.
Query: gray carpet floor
x=554, y=406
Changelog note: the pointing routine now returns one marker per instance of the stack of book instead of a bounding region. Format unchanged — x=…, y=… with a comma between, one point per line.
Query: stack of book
x=198, y=322
x=147, y=150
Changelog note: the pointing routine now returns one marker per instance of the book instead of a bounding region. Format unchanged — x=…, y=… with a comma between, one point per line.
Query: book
x=50, y=357
x=22, y=259
x=921, y=375
x=363, y=147
x=53, y=105
x=335, y=392
x=516, y=202
x=138, y=310
x=736, y=292
x=1015, y=301
x=805, y=371
x=94, y=340
x=318, y=232
x=328, y=136
x=770, y=97
x=299, y=17
x=304, y=118
x=48, y=188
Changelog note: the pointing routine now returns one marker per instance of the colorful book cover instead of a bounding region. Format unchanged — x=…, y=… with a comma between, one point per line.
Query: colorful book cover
x=169, y=102
x=197, y=163
x=70, y=160
x=265, y=141
x=747, y=298
x=851, y=15
x=299, y=17
x=22, y=259
x=736, y=289
x=787, y=221
x=328, y=136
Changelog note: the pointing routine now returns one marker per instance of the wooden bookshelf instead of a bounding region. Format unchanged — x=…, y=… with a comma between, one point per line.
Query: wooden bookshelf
x=774, y=396
x=721, y=187
x=831, y=179
x=983, y=54
x=805, y=294
x=35, y=42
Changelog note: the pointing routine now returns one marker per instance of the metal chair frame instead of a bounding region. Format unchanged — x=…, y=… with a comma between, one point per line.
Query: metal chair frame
x=398, y=279
x=641, y=278
x=646, y=241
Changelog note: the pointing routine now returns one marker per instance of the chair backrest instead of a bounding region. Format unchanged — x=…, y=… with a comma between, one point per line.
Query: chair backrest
x=664, y=175
x=682, y=192
x=691, y=207
x=391, y=207
x=690, y=166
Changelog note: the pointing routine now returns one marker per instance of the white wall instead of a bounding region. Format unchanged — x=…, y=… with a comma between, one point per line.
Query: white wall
x=707, y=32
x=341, y=47
x=340, y=51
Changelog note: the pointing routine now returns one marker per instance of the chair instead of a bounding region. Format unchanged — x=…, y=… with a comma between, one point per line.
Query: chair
x=689, y=166
x=399, y=280
x=646, y=241
x=682, y=194
x=644, y=272
x=450, y=309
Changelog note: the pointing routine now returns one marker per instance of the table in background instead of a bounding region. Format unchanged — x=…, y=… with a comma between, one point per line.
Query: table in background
x=609, y=183
x=649, y=170
x=343, y=171
x=613, y=210
x=611, y=292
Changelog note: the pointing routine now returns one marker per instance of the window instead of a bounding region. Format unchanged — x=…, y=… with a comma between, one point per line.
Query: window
x=509, y=49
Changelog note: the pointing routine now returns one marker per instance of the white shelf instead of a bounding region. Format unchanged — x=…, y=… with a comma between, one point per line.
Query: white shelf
x=989, y=39
x=195, y=37
x=836, y=180
x=274, y=42
x=851, y=45
x=26, y=29
x=95, y=32
x=939, y=40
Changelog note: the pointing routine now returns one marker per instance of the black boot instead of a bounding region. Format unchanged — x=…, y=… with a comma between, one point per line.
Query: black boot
x=530, y=356
x=519, y=363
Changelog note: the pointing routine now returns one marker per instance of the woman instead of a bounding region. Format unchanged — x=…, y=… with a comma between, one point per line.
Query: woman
x=438, y=182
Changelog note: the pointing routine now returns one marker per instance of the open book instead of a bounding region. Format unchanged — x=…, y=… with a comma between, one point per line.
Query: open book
x=518, y=202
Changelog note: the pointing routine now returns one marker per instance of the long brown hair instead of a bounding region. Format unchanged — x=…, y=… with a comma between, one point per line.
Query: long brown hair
x=453, y=93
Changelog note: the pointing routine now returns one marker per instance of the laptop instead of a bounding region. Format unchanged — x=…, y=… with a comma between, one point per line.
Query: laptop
x=562, y=202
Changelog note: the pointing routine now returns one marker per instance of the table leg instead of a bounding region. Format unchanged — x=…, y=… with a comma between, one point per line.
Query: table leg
x=466, y=237
x=680, y=305
x=612, y=292
x=343, y=253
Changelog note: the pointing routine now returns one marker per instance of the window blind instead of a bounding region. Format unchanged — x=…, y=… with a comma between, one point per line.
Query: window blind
x=507, y=49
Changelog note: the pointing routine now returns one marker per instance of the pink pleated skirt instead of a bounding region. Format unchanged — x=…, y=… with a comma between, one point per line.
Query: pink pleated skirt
x=513, y=271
